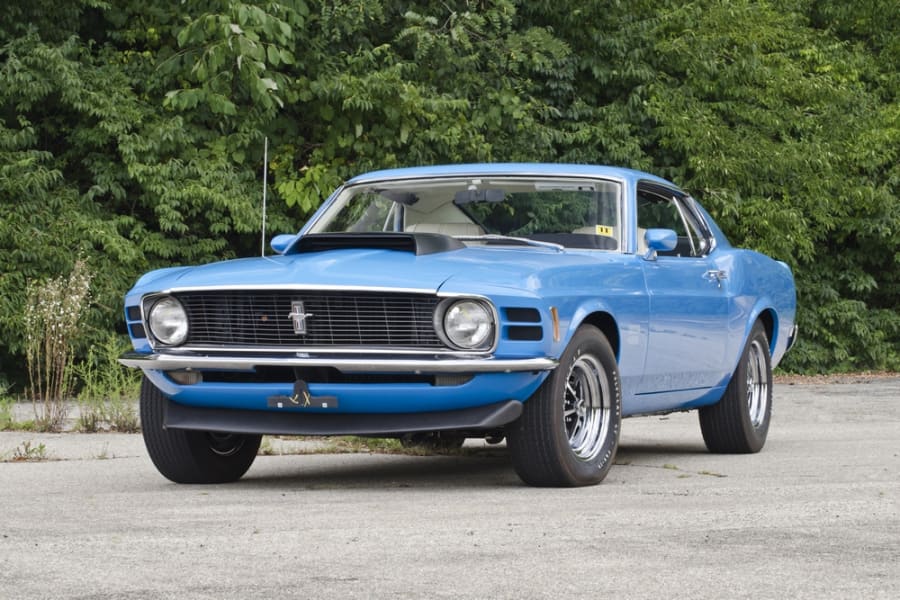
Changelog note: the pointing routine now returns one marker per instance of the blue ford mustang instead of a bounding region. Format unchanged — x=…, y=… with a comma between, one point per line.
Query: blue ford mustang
x=539, y=303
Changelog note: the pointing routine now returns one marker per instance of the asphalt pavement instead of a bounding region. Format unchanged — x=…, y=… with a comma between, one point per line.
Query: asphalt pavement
x=815, y=515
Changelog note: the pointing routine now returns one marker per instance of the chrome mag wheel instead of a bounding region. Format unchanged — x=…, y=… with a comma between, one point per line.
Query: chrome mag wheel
x=757, y=384
x=568, y=433
x=586, y=407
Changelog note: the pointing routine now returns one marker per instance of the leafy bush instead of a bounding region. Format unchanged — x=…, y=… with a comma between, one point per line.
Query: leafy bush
x=132, y=131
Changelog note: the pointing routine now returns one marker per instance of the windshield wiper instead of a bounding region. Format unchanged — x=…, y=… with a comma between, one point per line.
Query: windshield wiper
x=492, y=237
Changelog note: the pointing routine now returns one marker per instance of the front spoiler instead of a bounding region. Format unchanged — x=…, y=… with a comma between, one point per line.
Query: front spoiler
x=226, y=420
x=176, y=362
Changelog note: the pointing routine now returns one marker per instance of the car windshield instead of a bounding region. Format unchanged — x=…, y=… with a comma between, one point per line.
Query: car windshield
x=574, y=213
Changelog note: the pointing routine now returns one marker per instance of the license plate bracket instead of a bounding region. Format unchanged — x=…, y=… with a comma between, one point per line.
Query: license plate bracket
x=302, y=398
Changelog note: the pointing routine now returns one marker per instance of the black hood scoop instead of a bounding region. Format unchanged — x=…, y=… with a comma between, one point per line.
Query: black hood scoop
x=417, y=243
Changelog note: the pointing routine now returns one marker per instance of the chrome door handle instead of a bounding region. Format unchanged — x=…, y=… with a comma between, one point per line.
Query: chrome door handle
x=716, y=275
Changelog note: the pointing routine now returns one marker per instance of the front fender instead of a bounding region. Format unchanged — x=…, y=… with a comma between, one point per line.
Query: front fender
x=582, y=314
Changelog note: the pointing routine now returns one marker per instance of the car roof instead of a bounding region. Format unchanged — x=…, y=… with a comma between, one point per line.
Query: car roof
x=509, y=169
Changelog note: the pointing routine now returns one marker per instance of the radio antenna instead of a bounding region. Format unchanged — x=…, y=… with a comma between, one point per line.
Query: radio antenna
x=262, y=249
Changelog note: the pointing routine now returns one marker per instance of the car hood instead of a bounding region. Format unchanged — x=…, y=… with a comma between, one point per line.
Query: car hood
x=518, y=268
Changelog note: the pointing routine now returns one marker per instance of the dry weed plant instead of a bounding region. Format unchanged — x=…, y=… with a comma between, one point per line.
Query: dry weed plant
x=53, y=315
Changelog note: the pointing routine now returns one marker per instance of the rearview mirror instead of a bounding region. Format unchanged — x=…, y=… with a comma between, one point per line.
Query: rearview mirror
x=470, y=196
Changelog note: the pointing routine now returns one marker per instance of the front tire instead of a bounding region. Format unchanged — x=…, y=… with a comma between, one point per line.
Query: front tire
x=186, y=456
x=739, y=422
x=568, y=433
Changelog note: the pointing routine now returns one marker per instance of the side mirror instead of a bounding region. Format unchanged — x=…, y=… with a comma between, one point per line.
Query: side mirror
x=281, y=242
x=659, y=240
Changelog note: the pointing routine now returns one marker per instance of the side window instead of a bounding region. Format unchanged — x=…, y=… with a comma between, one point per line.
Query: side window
x=659, y=210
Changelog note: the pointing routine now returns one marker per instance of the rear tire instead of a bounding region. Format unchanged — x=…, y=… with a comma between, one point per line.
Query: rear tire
x=568, y=433
x=192, y=456
x=739, y=422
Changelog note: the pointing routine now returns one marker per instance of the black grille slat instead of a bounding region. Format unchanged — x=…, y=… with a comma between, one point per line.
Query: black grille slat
x=262, y=319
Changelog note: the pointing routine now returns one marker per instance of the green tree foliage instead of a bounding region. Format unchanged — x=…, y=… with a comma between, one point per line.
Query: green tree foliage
x=778, y=126
x=93, y=162
x=132, y=131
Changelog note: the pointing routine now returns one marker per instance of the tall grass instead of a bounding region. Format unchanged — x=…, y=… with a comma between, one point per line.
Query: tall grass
x=6, y=410
x=108, y=390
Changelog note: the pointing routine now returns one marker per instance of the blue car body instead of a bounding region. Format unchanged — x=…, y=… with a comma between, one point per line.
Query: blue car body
x=677, y=324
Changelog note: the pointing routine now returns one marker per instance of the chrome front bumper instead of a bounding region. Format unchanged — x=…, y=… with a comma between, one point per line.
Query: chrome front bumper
x=176, y=362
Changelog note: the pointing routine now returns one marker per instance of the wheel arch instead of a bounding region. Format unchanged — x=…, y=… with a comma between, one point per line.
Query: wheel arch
x=608, y=326
x=769, y=320
x=767, y=316
x=778, y=335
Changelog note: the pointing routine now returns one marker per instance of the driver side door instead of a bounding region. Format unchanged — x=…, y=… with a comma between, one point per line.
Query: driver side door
x=687, y=289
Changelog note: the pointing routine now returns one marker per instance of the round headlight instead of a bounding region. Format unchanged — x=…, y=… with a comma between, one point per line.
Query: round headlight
x=469, y=324
x=168, y=322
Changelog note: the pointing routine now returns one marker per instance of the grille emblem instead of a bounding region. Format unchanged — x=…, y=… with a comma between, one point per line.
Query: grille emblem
x=298, y=317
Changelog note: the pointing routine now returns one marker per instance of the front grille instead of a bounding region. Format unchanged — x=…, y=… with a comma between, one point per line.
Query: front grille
x=341, y=319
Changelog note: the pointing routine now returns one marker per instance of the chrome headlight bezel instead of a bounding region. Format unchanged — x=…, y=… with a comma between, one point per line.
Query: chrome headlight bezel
x=467, y=324
x=167, y=321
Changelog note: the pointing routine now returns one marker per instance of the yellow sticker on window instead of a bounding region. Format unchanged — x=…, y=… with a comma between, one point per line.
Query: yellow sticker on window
x=603, y=230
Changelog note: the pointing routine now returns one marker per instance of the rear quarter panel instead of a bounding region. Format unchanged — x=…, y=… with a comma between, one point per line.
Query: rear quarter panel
x=759, y=284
